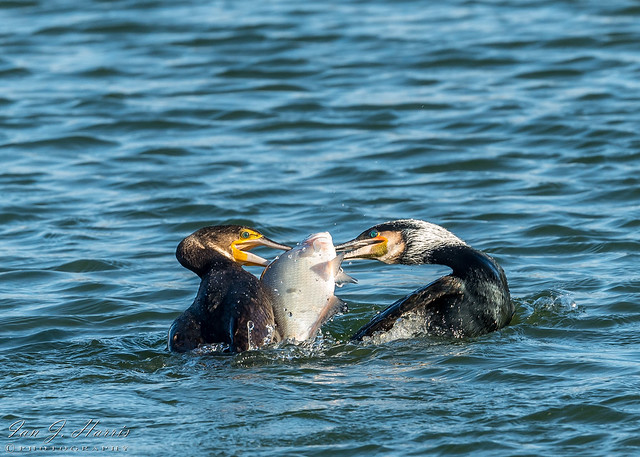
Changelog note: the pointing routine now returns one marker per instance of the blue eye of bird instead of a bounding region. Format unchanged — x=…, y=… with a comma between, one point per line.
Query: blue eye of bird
x=244, y=235
x=373, y=233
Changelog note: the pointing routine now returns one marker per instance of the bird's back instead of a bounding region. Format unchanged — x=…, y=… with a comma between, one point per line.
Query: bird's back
x=448, y=307
x=234, y=309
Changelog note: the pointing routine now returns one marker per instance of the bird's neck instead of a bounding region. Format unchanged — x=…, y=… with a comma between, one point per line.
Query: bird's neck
x=203, y=261
x=466, y=262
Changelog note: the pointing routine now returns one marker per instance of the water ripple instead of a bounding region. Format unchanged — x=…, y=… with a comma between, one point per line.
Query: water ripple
x=127, y=125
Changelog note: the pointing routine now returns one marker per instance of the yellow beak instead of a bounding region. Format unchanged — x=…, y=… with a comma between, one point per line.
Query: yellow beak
x=364, y=249
x=240, y=247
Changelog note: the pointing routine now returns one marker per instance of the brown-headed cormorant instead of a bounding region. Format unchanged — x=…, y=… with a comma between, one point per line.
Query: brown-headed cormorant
x=231, y=306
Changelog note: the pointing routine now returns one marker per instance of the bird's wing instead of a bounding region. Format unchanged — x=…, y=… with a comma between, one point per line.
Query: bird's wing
x=439, y=293
x=252, y=324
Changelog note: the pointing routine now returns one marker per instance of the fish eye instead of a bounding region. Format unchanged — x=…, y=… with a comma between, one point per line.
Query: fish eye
x=244, y=235
x=373, y=233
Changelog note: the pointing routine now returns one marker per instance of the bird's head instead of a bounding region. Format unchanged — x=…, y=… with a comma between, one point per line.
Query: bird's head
x=230, y=241
x=406, y=241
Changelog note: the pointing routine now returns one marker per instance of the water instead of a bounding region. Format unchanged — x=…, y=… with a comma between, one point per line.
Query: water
x=126, y=125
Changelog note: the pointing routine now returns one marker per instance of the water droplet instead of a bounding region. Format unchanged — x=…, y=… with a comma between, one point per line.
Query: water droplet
x=250, y=327
x=269, y=337
x=290, y=314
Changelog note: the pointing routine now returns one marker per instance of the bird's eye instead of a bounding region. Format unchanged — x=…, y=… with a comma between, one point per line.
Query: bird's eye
x=245, y=235
x=373, y=233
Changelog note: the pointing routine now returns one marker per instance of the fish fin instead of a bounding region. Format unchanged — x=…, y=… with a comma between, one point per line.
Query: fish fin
x=333, y=268
x=340, y=306
x=329, y=268
x=322, y=270
x=334, y=306
x=343, y=278
x=337, y=262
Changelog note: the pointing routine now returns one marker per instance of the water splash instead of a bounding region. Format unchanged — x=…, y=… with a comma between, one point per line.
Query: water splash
x=408, y=326
x=250, y=327
x=210, y=349
x=549, y=307
x=269, y=337
x=286, y=352
x=557, y=301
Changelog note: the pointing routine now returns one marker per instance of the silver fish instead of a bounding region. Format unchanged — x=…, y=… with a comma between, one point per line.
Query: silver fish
x=303, y=281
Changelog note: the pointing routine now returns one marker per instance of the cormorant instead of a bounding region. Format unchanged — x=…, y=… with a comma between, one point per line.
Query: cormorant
x=472, y=300
x=231, y=306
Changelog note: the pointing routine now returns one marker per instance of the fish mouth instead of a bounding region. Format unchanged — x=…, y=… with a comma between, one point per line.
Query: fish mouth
x=240, y=249
x=362, y=248
x=320, y=241
x=324, y=236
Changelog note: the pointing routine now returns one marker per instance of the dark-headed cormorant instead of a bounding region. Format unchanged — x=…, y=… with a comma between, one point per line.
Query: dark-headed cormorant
x=472, y=300
x=232, y=306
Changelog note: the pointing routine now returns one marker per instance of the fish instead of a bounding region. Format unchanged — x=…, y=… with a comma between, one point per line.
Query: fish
x=302, y=282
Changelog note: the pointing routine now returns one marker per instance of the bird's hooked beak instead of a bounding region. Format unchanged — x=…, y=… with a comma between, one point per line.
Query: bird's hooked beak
x=364, y=248
x=240, y=247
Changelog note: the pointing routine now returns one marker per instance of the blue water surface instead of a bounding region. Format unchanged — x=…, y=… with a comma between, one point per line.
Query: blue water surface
x=126, y=125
